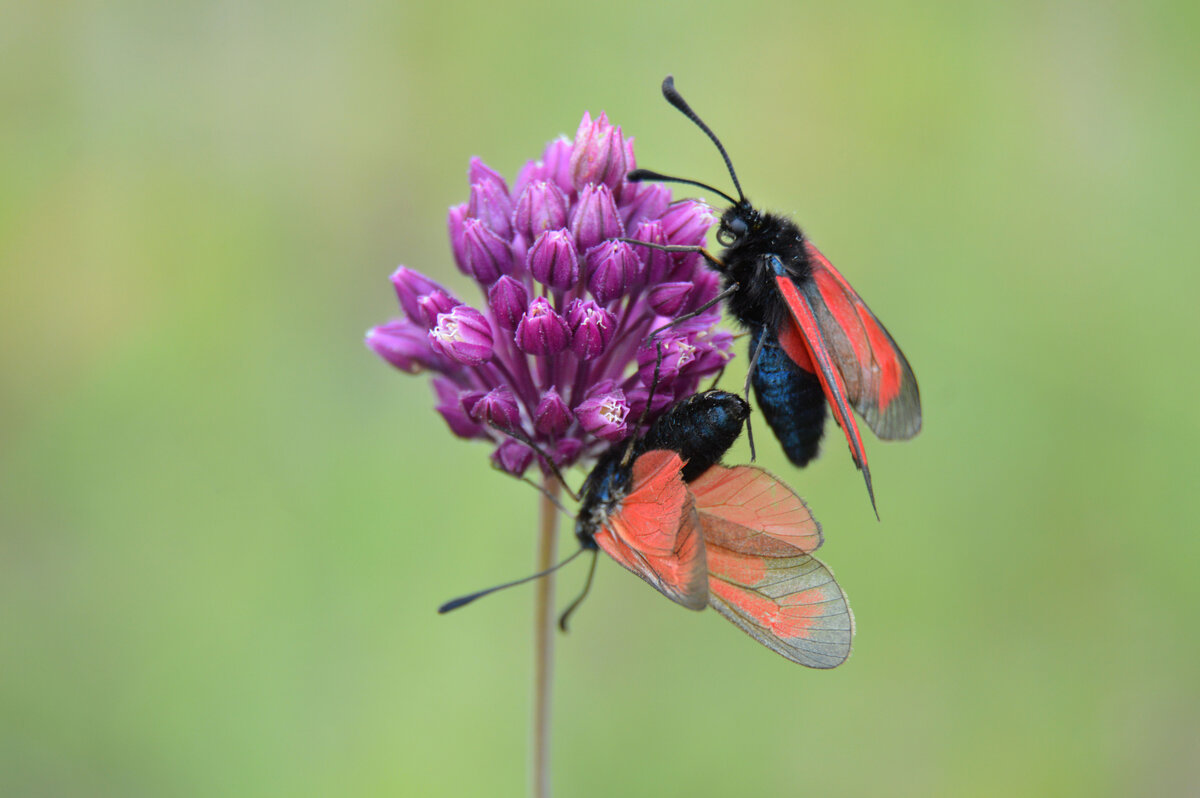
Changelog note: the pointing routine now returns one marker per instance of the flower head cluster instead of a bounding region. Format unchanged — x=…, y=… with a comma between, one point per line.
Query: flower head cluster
x=556, y=349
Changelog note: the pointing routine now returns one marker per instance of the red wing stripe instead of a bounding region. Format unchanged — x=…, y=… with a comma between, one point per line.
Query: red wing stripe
x=831, y=378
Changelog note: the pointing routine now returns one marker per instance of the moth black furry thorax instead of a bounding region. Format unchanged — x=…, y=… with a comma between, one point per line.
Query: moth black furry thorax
x=749, y=236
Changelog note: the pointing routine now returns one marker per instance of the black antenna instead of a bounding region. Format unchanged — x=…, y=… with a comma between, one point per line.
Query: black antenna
x=676, y=99
x=461, y=601
x=638, y=175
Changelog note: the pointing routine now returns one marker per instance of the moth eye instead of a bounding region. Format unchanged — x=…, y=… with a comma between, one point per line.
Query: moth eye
x=737, y=226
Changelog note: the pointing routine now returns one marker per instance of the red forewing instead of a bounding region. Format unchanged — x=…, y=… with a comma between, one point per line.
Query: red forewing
x=757, y=533
x=805, y=343
x=653, y=531
x=879, y=382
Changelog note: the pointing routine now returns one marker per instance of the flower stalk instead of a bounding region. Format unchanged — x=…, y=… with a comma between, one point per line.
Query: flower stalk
x=543, y=640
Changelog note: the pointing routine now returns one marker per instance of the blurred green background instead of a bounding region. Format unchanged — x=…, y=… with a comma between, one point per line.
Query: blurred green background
x=225, y=525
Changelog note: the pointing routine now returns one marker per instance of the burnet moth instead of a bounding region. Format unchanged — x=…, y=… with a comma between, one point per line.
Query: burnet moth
x=813, y=341
x=704, y=534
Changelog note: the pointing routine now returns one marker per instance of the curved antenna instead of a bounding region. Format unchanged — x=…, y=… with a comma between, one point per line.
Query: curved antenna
x=454, y=604
x=676, y=99
x=638, y=175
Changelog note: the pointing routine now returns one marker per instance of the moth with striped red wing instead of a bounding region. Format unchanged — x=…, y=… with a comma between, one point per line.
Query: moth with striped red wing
x=813, y=341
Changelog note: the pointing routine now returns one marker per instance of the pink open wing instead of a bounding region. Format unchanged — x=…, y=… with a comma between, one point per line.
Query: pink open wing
x=653, y=531
x=757, y=533
x=748, y=504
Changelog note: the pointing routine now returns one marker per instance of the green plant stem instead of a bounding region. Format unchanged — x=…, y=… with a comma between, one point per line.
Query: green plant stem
x=543, y=640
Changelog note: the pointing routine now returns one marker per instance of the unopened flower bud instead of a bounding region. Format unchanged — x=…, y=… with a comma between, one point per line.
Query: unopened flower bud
x=612, y=269
x=659, y=264
x=598, y=154
x=490, y=204
x=669, y=299
x=542, y=206
x=513, y=456
x=687, y=222
x=552, y=259
x=595, y=217
x=552, y=416
x=487, y=256
x=541, y=331
x=497, y=407
x=592, y=328
x=507, y=299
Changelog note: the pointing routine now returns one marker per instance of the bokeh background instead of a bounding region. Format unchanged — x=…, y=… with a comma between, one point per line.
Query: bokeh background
x=225, y=525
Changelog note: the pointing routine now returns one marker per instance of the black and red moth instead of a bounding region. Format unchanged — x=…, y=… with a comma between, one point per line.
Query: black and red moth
x=813, y=341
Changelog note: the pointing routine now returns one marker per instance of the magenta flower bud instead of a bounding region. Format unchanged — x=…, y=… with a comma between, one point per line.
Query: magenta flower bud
x=595, y=217
x=659, y=264
x=490, y=204
x=487, y=255
x=552, y=416
x=463, y=335
x=541, y=207
x=592, y=328
x=541, y=331
x=498, y=406
x=479, y=172
x=552, y=259
x=598, y=155
x=687, y=222
x=669, y=299
x=454, y=224
x=642, y=201
x=612, y=268
x=450, y=406
x=513, y=456
x=603, y=414
x=706, y=284
x=556, y=164
x=507, y=299
x=405, y=346
x=566, y=451
x=433, y=305
x=410, y=287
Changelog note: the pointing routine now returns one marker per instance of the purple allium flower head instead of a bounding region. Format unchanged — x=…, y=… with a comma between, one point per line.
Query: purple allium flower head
x=556, y=347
